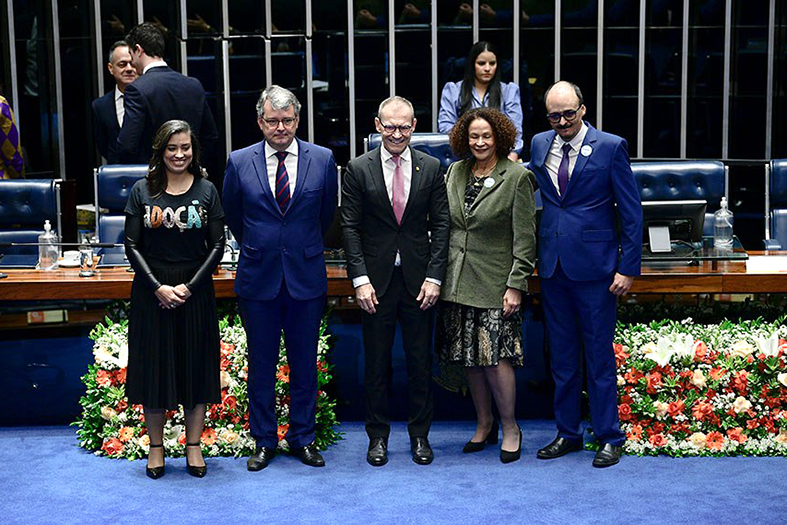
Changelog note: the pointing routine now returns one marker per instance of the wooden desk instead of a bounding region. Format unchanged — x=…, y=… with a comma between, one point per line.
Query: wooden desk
x=115, y=283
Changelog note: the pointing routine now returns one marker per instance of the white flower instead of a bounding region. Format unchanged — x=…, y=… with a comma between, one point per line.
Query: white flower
x=662, y=352
x=661, y=409
x=768, y=346
x=741, y=404
x=698, y=379
x=741, y=349
x=697, y=439
x=782, y=437
x=123, y=355
x=108, y=413
x=621, y=380
x=782, y=378
x=683, y=346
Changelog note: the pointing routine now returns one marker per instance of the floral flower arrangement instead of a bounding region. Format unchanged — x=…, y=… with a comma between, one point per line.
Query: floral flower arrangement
x=110, y=426
x=687, y=389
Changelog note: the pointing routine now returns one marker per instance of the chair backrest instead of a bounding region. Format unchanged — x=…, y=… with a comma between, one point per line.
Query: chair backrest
x=434, y=144
x=776, y=201
x=683, y=180
x=113, y=184
x=24, y=206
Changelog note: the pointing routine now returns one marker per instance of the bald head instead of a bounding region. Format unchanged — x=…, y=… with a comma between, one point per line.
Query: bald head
x=565, y=109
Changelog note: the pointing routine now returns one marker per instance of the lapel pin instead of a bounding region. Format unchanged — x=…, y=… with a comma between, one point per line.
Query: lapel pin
x=489, y=182
x=586, y=150
x=418, y=168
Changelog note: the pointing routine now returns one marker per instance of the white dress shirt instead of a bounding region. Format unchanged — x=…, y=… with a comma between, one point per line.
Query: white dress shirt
x=290, y=162
x=156, y=63
x=555, y=155
x=120, y=109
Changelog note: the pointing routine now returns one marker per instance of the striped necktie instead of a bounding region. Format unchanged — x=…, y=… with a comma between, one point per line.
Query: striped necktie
x=282, y=183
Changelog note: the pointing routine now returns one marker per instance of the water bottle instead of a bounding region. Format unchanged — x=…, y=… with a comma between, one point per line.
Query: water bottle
x=722, y=227
x=48, y=252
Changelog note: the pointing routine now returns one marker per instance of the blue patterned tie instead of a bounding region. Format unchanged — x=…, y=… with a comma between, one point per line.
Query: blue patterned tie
x=282, y=183
x=562, y=171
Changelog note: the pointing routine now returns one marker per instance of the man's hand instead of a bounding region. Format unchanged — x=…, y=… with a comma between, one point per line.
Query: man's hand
x=512, y=300
x=366, y=298
x=429, y=294
x=169, y=297
x=621, y=284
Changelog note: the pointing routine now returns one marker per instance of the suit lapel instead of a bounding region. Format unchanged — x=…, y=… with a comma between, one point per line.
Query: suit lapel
x=416, y=181
x=304, y=158
x=542, y=159
x=261, y=167
x=497, y=176
x=582, y=160
x=376, y=171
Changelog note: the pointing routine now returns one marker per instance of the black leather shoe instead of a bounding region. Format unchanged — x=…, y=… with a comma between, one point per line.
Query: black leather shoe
x=507, y=456
x=377, y=456
x=155, y=472
x=197, y=472
x=559, y=447
x=491, y=439
x=607, y=456
x=260, y=459
x=422, y=452
x=309, y=455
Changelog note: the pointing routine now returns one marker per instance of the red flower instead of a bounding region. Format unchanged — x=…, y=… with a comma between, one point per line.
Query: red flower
x=717, y=373
x=626, y=399
x=740, y=382
x=125, y=434
x=714, y=441
x=752, y=424
x=226, y=348
x=635, y=434
x=208, y=436
x=322, y=366
x=702, y=410
x=104, y=378
x=282, y=431
x=676, y=407
x=679, y=427
x=658, y=440
x=633, y=376
x=283, y=373
x=736, y=434
x=225, y=363
x=120, y=376
x=121, y=406
x=654, y=382
x=700, y=351
x=620, y=355
x=169, y=414
x=112, y=447
x=182, y=438
x=624, y=412
x=230, y=402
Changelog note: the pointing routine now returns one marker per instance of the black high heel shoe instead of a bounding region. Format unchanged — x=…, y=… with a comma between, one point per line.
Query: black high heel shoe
x=491, y=439
x=155, y=472
x=197, y=472
x=508, y=457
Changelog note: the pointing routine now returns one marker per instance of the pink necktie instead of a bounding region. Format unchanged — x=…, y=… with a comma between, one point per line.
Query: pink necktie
x=398, y=197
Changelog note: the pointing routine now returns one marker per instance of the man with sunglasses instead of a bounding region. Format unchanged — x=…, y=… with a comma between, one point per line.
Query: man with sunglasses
x=395, y=225
x=279, y=200
x=584, y=263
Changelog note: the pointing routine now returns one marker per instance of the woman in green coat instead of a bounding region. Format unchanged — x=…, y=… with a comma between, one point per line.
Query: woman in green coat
x=491, y=253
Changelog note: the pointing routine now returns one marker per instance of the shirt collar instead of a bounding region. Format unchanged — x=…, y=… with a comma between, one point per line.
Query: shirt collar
x=578, y=139
x=386, y=155
x=118, y=93
x=292, y=149
x=157, y=63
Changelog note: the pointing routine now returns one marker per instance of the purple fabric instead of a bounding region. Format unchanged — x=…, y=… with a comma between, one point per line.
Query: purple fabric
x=11, y=162
x=562, y=171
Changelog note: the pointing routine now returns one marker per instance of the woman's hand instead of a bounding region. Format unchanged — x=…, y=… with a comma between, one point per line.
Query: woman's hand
x=170, y=297
x=512, y=300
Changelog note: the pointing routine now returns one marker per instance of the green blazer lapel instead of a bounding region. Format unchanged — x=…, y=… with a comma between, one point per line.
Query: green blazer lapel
x=458, y=174
x=497, y=177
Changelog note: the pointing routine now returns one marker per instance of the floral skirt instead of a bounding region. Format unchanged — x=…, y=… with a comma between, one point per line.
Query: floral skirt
x=478, y=336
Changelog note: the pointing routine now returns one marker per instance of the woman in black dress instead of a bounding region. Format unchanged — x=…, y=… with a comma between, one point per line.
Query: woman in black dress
x=174, y=240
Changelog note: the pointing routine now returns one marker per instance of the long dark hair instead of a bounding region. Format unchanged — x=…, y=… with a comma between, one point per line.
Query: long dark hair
x=157, y=171
x=468, y=82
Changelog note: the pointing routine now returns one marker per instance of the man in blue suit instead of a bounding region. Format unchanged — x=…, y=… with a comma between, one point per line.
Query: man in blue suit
x=584, y=263
x=109, y=110
x=279, y=199
x=160, y=94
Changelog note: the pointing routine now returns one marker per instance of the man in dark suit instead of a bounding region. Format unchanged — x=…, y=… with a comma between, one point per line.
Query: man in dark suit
x=583, y=264
x=160, y=94
x=279, y=200
x=395, y=224
x=109, y=110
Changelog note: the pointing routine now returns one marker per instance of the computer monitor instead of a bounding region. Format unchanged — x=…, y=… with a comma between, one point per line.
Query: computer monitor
x=665, y=222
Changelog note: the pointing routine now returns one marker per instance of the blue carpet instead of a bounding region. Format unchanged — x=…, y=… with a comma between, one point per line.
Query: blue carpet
x=46, y=478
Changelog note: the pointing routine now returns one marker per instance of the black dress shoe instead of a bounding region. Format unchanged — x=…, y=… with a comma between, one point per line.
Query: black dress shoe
x=491, y=439
x=197, y=472
x=155, y=472
x=559, y=447
x=422, y=452
x=508, y=457
x=260, y=459
x=309, y=455
x=377, y=456
x=607, y=456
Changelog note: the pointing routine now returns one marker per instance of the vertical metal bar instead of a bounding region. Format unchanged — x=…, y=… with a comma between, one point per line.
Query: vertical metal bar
x=684, y=81
x=98, y=44
x=14, y=96
x=725, y=87
x=558, y=29
x=435, y=87
x=515, y=54
x=769, y=87
x=225, y=81
x=351, y=73
x=768, y=200
x=57, y=85
x=391, y=49
x=641, y=82
x=140, y=12
x=476, y=21
x=309, y=75
x=268, y=32
x=182, y=15
x=600, y=67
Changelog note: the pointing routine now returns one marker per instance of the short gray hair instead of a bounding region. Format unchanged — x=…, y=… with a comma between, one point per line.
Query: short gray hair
x=391, y=100
x=119, y=43
x=280, y=98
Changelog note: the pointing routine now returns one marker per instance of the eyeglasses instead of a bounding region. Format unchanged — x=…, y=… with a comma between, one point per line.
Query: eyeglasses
x=404, y=129
x=274, y=122
x=569, y=115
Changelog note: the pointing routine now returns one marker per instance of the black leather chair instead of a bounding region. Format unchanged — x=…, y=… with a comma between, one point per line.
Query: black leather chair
x=112, y=185
x=24, y=206
x=434, y=144
x=776, y=205
x=684, y=180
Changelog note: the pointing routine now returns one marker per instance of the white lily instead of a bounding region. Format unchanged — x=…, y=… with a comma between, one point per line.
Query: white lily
x=768, y=346
x=683, y=346
x=663, y=352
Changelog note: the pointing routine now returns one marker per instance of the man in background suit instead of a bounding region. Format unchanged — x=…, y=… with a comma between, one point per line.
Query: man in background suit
x=158, y=95
x=583, y=264
x=395, y=224
x=109, y=110
x=279, y=200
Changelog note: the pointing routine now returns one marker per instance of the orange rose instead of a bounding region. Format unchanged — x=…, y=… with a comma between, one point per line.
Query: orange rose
x=736, y=434
x=700, y=351
x=120, y=376
x=714, y=441
x=209, y=436
x=125, y=434
x=654, y=382
x=676, y=407
x=112, y=447
x=620, y=355
x=702, y=410
x=230, y=402
x=104, y=378
x=658, y=440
